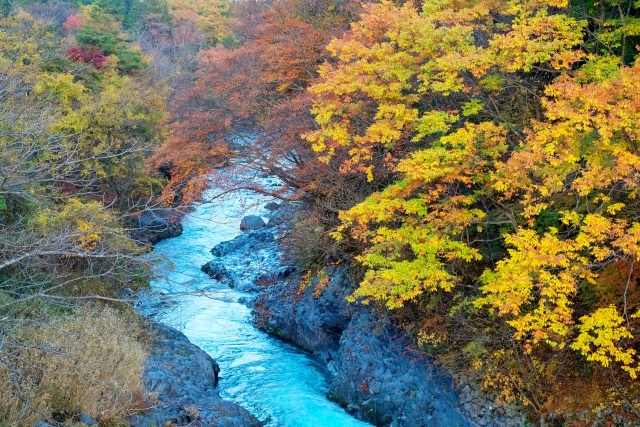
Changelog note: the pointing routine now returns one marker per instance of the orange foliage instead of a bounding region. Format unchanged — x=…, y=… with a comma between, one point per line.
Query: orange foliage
x=249, y=104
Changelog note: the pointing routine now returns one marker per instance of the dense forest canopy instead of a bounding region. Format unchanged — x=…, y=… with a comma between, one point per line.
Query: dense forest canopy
x=82, y=108
x=477, y=159
x=476, y=162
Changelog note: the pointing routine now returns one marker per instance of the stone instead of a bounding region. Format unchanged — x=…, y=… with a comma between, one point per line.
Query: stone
x=180, y=376
x=216, y=271
x=42, y=423
x=272, y=206
x=154, y=225
x=252, y=222
x=86, y=419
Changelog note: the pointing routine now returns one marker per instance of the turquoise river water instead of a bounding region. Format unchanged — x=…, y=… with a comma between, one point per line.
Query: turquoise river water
x=281, y=385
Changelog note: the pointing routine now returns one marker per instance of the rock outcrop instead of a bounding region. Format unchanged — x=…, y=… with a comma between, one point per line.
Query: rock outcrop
x=151, y=226
x=386, y=383
x=373, y=371
x=247, y=262
x=179, y=378
x=315, y=324
x=373, y=374
x=216, y=270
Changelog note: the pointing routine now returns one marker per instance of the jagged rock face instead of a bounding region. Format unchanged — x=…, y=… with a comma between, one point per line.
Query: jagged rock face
x=314, y=324
x=180, y=377
x=386, y=382
x=244, y=242
x=374, y=373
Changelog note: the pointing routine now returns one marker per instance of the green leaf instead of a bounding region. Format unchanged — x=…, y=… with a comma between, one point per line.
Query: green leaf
x=472, y=107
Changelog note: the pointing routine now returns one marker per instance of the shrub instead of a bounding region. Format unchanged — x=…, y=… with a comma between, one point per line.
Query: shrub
x=93, y=55
x=59, y=367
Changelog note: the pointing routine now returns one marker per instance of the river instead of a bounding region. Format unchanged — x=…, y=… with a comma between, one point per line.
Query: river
x=281, y=385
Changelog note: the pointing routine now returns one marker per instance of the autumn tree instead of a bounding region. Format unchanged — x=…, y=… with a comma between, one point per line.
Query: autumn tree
x=511, y=139
x=249, y=104
x=74, y=136
x=400, y=100
x=95, y=28
x=69, y=144
x=576, y=283
x=212, y=18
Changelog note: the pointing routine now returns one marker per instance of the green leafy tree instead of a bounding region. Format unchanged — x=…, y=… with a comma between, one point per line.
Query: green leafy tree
x=102, y=30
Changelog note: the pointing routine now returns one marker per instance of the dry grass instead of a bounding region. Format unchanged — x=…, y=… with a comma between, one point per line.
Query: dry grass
x=59, y=367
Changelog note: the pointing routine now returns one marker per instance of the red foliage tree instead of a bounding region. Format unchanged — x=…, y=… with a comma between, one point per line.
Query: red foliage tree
x=93, y=55
x=73, y=22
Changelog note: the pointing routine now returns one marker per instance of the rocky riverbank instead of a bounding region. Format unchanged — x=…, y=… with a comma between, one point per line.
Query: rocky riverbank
x=179, y=380
x=180, y=390
x=151, y=226
x=373, y=372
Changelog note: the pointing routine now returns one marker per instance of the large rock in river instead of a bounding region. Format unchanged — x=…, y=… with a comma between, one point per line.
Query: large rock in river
x=152, y=225
x=217, y=271
x=252, y=222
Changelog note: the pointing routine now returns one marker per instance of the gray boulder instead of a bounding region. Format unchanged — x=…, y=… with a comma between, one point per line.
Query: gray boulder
x=271, y=206
x=42, y=423
x=252, y=222
x=217, y=271
x=181, y=378
x=86, y=419
x=250, y=240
